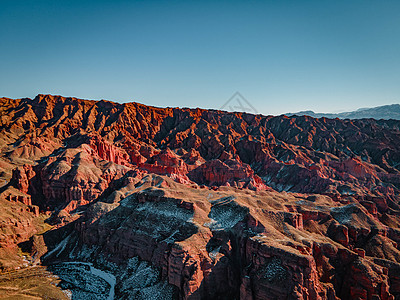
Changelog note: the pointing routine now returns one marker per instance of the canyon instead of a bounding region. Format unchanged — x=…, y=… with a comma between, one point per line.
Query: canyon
x=129, y=201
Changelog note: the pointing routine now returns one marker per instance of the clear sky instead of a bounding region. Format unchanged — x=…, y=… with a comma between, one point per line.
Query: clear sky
x=283, y=56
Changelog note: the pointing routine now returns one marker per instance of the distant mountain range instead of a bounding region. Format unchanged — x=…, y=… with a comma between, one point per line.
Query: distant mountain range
x=379, y=112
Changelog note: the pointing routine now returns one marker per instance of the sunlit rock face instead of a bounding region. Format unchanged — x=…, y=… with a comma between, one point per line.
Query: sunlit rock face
x=127, y=201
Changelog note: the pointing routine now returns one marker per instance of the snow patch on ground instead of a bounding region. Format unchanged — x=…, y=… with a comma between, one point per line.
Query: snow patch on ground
x=60, y=247
x=165, y=209
x=138, y=280
x=343, y=214
x=163, y=220
x=274, y=271
x=85, y=281
x=214, y=253
x=141, y=281
x=225, y=213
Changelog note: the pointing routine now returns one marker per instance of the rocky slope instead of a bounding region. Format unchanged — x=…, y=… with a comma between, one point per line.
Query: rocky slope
x=205, y=204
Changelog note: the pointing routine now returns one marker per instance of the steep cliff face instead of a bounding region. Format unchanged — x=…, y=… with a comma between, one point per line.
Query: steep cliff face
x=213, y=205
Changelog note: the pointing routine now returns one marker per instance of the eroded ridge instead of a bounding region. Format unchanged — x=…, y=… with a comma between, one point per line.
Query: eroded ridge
x=130, y=201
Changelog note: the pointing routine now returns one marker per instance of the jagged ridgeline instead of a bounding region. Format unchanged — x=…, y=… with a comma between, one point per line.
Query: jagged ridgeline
x=129, y=201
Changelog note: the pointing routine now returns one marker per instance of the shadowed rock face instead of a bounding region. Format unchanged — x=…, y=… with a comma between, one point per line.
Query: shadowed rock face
x=221, y=205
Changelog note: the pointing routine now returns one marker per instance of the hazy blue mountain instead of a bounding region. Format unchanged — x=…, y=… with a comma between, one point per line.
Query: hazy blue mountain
x=380, y=112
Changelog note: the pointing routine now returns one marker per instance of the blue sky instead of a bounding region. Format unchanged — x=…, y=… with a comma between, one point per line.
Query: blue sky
x=283, y=56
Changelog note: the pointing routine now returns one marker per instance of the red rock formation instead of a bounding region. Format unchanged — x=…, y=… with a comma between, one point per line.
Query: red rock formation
x=18, y=222
x=217, y=229
x=231, y=172
x=316, y=150
x=248, y=249
x=21, y=177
